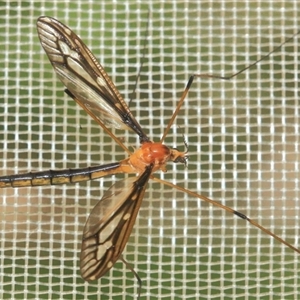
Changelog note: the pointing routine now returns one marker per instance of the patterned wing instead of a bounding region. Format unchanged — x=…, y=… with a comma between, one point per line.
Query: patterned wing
x=84, y=77
x=109, y=225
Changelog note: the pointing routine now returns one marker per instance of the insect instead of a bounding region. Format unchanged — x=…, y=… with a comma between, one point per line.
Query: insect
x=111, y=221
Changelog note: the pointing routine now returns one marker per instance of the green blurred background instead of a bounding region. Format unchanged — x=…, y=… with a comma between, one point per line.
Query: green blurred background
x=243, y=149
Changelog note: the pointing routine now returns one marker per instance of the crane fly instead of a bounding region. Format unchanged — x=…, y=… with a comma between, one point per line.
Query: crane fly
x=110, y=223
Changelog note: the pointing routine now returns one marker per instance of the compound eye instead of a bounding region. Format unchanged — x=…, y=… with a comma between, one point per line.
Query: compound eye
x=181, y=159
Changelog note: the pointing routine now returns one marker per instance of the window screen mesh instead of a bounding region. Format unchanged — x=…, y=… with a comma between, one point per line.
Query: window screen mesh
x=243, y=138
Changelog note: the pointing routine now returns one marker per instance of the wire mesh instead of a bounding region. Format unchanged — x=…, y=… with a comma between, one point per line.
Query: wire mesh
x=243, y=138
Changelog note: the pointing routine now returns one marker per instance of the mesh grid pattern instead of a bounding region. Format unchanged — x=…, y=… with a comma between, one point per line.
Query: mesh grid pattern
x=243, y=138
